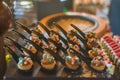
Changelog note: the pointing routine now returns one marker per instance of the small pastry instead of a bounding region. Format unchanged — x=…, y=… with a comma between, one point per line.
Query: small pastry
x=73, y=37
x=55, y=37
x=70, y=52
x=93, y=53
x=25, y=64
x=92, y=43
x=98, y=64
x=31, y=48
x=52, y=47
x=36, y=39
x=72, y=62
x=48, y=62
x=76, y=47
x=90, y=35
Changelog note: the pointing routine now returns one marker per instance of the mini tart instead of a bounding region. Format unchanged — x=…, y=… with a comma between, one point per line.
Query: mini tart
x=92, y=43
x=70, y=33
x=98, y=64
x=52, y=47
x=90, y=35
x=55, y=37
x=36, y=40
x=75, y=47
x=71, y=63
x=72, y=37
x=31, y=48
x=92, y=54
x=48, y=63
x=25, y=64
x=75, y=40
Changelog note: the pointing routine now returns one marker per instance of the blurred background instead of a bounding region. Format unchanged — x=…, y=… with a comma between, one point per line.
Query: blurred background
x=35, y=10
x=31, y=11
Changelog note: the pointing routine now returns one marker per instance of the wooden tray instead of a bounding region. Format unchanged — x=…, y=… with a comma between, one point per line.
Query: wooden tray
x=99, y=24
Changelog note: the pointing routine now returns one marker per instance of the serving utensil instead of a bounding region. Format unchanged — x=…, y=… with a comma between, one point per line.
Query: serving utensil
x=38, y=47
x=24, y=27
x=44, y=27
x=34, y=57
x=61, y=29
x=80, y=32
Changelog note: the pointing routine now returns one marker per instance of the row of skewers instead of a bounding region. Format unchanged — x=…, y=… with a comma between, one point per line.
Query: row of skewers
x=68, y=48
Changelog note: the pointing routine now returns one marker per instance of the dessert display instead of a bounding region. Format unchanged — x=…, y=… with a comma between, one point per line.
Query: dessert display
x=108, y=42
x=111, y=48
x=67, y=51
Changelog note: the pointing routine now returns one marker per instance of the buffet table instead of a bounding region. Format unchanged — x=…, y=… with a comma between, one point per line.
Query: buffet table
x=13, y=73
x=60, y=71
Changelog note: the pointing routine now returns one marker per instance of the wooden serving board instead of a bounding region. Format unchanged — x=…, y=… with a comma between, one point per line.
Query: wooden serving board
x=100, y=30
